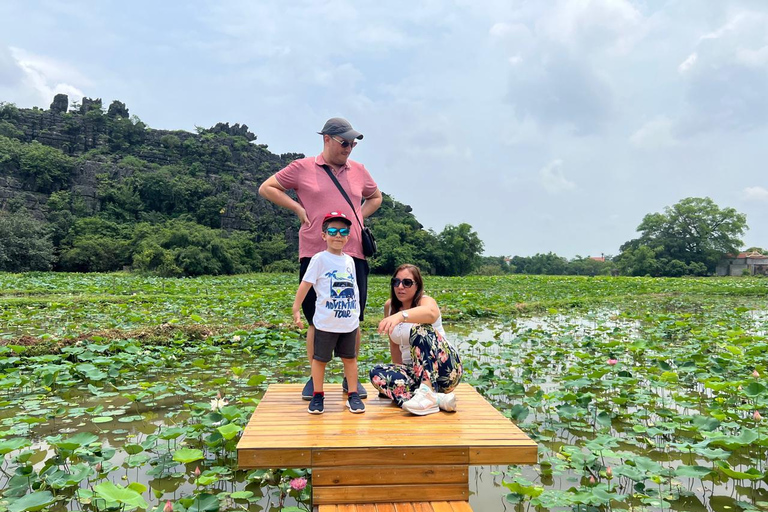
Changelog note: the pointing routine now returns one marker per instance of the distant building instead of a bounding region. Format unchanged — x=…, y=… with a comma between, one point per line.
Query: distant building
x=598, y=258
x=754, y=262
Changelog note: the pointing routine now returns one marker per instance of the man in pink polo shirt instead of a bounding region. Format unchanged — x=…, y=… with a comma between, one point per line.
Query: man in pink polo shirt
x=317, y=196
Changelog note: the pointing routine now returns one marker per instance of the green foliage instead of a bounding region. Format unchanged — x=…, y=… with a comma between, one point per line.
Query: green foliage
x=459, y=250
x=94, y=244
x=185, y=248
x=9, y=130
x=48, y=168
x=692, y=233
x=25, y=243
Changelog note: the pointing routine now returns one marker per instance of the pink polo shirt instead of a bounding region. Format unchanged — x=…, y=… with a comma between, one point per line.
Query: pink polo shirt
x=319, y=196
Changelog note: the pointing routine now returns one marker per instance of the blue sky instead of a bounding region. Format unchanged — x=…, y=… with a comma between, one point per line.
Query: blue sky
x=547, y=126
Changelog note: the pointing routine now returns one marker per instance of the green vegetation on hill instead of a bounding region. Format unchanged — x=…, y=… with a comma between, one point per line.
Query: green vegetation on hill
x=87, y=189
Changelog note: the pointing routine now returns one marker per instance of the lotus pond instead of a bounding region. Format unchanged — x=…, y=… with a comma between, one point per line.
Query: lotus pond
x=123, y=392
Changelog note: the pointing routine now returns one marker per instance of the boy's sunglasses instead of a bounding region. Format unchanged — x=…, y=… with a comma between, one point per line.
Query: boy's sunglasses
x=337, y=231
x=407, y=283
x=345, y=143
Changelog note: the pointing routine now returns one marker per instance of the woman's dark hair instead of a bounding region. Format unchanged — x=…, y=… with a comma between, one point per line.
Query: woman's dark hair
x=394, y=302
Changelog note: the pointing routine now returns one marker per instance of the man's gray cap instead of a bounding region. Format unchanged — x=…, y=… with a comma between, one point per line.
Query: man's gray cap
x=340, y=127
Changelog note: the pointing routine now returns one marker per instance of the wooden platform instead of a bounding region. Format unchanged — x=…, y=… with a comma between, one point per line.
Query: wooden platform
x=432, y=506
x=385, y=455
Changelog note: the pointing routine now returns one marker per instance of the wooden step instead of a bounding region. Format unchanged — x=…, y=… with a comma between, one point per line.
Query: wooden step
x=419, y=506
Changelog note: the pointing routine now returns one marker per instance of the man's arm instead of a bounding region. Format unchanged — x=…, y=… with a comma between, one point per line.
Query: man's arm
x=371, y=204
x=272, y=191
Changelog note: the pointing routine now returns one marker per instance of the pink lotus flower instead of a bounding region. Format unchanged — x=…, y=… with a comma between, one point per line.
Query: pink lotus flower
x=168, y=506
x=592, y=480
x=609, y=472
x=298, y=484
x=757, y=416
x=612, y=361
x=756, y=374
x=98, y=467
x=197, y=472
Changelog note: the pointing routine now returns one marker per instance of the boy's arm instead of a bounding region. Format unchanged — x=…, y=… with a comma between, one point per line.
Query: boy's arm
x=301, y=293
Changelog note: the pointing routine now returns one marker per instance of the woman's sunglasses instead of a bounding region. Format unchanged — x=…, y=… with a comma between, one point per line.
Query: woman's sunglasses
x=407, y=283
x=337, y=231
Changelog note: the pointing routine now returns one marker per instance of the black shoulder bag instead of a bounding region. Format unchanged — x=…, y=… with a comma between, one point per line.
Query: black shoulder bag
x=369, y=243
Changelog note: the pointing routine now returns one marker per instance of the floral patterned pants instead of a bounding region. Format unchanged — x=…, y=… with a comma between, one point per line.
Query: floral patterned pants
x=434, y=359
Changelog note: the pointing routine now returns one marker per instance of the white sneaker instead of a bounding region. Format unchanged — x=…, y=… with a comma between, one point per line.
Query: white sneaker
x=446, y=401
x=423, y=402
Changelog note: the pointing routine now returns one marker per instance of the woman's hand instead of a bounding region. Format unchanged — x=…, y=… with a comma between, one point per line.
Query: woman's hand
x=388, y=324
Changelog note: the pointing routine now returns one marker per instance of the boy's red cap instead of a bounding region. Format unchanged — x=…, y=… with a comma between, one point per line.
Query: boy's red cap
x=337, y=216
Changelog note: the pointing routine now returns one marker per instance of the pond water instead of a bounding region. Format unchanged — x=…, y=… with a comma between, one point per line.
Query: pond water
x=553, y=374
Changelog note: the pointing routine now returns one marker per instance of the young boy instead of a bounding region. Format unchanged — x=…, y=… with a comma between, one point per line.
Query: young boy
x=332, y=274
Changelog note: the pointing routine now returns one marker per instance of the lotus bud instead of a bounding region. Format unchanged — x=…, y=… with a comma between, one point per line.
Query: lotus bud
x=612, y=361
x=592, y=480
x=99, y=467
x=197, y=472
x=757, y=416
x=755, y=374
x=168, y=506
x=609, y=472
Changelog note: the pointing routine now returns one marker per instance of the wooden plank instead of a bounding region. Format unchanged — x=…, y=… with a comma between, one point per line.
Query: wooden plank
x=366, y=507
x=384, y=474
x=431, y=506
x=389, y=493
x=393, y=456
x=492, y=455
x=266, y=459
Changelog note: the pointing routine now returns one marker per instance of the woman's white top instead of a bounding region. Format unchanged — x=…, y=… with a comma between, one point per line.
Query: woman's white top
x=401, y=335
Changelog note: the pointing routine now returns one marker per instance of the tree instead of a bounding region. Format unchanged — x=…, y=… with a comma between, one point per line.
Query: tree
x=24, y=243
x=694, y=230
x=48, y=168
x=458, y=251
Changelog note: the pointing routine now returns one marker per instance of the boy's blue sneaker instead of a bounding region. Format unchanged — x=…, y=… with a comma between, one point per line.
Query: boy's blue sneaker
x=355, y=404
x=360, y=389
x=309, y=390
x=316, y=405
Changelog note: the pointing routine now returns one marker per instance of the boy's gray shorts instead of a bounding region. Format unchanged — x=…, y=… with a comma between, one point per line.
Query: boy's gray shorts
x=342, y=343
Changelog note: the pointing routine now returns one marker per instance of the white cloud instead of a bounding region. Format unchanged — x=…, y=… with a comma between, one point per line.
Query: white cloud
x=615, y=24
x=552, y=178
x=755, y=194
x=48, y=77
x=688, y=63
x=655, y=134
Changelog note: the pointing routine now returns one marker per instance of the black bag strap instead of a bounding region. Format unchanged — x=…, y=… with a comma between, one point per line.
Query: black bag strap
x=343, y=192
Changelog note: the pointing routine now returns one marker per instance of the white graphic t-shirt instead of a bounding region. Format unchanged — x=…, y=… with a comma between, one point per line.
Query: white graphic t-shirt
x=338, y=302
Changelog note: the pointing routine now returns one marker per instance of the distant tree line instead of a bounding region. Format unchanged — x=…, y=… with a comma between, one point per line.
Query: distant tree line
x=94, y=189
x=688, y=239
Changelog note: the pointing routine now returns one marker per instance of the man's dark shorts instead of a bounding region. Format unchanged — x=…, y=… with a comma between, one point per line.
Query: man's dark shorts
x=361, y=272
x=342, y=343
